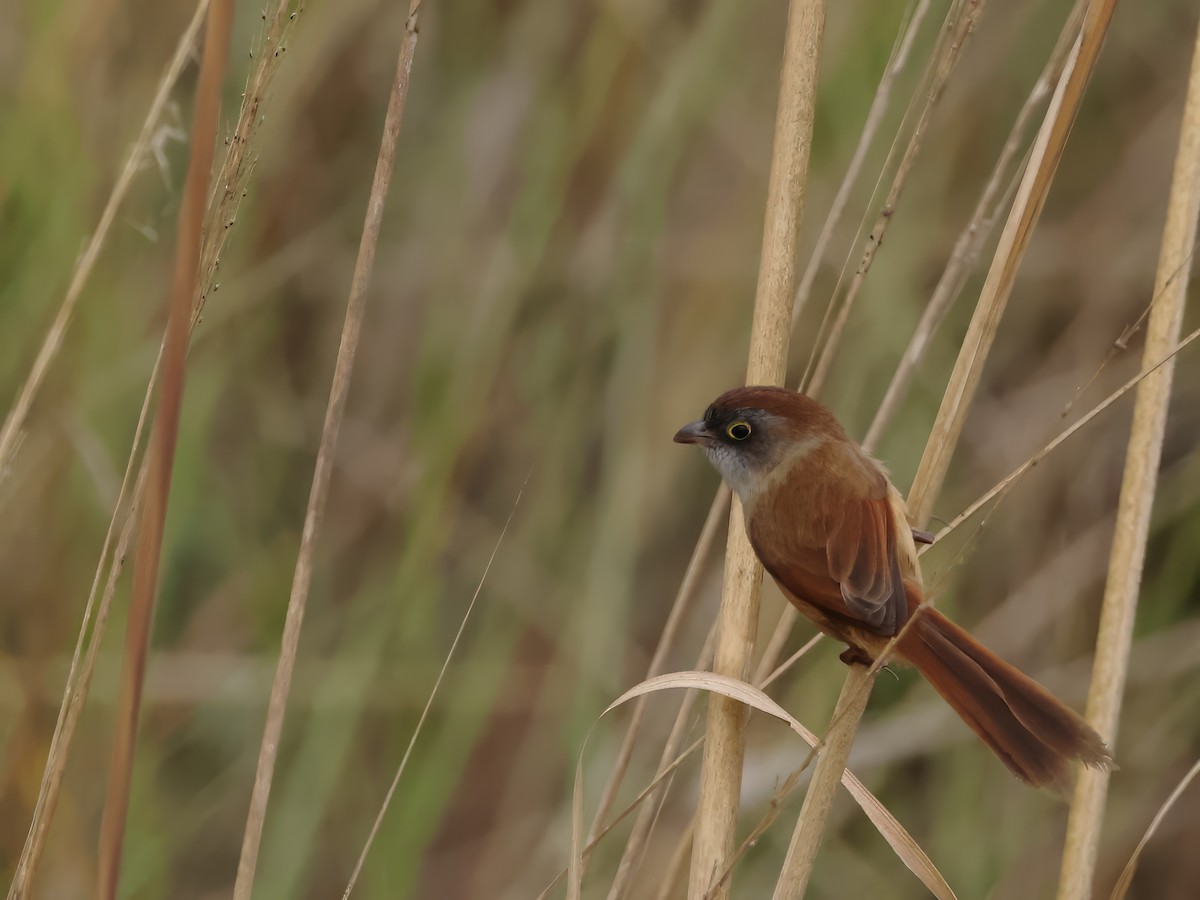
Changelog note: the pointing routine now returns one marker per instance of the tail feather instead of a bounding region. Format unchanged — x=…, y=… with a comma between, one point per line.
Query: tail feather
x=1026, y=726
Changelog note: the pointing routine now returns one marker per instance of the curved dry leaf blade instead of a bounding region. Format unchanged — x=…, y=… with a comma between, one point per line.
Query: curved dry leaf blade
x=1126, y=879
x=901, y=842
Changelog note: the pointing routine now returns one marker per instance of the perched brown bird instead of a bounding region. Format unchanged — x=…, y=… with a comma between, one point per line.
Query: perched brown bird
x=833, y=532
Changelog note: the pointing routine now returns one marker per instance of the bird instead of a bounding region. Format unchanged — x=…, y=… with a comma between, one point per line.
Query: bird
x=833, y=532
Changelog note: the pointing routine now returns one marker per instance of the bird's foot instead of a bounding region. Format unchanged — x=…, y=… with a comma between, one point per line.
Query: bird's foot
x=855, y=656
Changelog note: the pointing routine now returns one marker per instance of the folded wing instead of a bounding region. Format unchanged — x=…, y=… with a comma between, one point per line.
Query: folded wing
x=844, y=557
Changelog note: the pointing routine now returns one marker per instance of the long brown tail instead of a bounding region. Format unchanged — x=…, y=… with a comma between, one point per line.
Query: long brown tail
x=1031, y=731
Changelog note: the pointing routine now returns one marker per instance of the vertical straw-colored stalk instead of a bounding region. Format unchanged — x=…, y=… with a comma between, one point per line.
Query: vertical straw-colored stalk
x=1031, y=197
x=218, y=31
x=1137, y=494
x=724, y=749
x=319, y=493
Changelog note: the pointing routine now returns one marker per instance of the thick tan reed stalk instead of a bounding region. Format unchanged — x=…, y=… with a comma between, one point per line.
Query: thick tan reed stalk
x=218, y=31
x=87, y=260
x=1027, y=208
x=343, y=368
x=1137, y=494
x=724, y=749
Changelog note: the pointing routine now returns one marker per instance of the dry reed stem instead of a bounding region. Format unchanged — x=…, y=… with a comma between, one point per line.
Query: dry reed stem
x=412, y=742
x=950, y=48
x=83, y=267
x=834, y=749
x=339, y=390
x=165, y=432
x=806, y=839
x=1137, y=494
x=643, y=826
x=1014, y=239
x=966, y=249
x=875, y=114
x=844, y=716
x=724, y=748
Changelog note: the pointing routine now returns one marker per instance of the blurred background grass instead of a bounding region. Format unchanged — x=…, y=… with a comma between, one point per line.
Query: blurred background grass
x=565, y=276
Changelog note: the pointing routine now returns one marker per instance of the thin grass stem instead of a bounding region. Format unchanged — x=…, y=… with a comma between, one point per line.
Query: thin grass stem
x=322, y=471
x=1136, y=503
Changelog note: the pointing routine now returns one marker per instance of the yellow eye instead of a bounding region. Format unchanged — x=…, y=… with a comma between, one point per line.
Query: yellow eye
x=739, y=431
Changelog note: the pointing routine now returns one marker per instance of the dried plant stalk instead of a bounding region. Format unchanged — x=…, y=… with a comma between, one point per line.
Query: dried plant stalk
x=1031, y=197
x=1137, y=493
x=724, y=749
x=218, y=32
x=343, y=368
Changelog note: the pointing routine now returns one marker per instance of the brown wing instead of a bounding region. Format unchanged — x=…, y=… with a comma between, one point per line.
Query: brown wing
x=826, y=532
x=864, y=562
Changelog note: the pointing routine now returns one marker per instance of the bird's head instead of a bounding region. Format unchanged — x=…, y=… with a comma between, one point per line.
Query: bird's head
x=747, y=432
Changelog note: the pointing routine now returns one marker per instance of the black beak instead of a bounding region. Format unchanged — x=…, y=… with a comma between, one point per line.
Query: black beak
x=693, y=433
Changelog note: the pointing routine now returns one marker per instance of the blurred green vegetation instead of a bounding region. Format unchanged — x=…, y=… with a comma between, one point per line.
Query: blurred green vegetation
x=565, y=275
